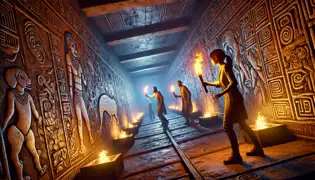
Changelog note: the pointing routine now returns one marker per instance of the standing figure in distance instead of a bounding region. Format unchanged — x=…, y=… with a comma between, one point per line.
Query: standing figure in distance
x=187, y=107
x=21, y=102
x=161, y=109
x=75, y=80
x=234, y=108
x=150, y=109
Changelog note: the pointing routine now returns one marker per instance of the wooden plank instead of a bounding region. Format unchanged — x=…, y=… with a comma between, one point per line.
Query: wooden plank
x=158, y=29
x=147, y=68
x=146, y=54
x=101, y=7
x=186, y=161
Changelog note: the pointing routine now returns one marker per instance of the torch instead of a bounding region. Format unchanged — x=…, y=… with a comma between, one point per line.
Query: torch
x=146, y=89
x=198, y=68
x=173, y=90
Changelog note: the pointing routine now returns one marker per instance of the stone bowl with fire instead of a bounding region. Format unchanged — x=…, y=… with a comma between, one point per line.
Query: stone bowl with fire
x=124, y=141
x=269, y=134
x=210, y=120
x=103, y=167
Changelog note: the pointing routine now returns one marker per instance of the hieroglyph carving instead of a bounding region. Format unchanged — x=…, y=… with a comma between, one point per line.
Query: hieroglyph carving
x=76, y=80
x=21, y=102
x=9, y=41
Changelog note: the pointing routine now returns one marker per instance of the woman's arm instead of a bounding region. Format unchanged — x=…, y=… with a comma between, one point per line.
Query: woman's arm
x=231, y=81
x=215, y=84
x=151, y=96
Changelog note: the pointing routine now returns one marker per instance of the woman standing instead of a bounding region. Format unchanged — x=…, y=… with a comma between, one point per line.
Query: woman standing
x=234, y=108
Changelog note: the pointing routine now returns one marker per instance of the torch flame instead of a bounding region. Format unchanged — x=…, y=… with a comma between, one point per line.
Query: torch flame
x=122, y=134
x=260, y=122
x=103, y=158
x=172, y=88
x=146, y=89
x=198, y=64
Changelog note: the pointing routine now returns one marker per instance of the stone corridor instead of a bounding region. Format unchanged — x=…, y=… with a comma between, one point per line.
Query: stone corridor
x=154, y=156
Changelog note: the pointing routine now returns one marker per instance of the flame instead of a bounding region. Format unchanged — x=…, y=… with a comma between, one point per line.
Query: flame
x=146, y=89
x=206, y=115
x=198, y=64
x=139, y=116
x=172, y=88
x=130, y=125
x=260, y=122
x=103, y=158
x=195, y=108
x=122, y=134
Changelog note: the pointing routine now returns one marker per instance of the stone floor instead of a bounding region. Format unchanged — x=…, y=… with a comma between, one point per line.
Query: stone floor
x=153, y=155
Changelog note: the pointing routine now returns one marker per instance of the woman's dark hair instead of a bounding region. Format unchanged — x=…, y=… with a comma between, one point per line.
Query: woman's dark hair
x=219, y=53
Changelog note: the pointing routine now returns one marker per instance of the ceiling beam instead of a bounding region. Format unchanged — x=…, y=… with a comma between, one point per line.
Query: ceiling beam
x=149, y=74
x=158, y=29
x=101, y=7
x=147, y=68
x=146, y=54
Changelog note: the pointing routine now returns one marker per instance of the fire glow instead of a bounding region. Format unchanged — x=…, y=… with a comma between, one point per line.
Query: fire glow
x=194, y=105
x=103, y=158
x=172, y=88
x=130, y=125
x=122, y=135
x=206, y=115
x=260, y=122
x=198, y=64
x=146, y=89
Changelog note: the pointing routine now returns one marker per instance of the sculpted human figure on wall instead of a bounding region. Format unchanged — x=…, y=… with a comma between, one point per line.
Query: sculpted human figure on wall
x=257, y=77
x=21, y=102
x=75, y=80
x=231, y=44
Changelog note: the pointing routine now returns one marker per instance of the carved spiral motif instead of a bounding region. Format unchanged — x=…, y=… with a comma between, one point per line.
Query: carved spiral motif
x=298, y=80
x=34, y=42
x=249, y=176
x=286, y=35
x=276, y=89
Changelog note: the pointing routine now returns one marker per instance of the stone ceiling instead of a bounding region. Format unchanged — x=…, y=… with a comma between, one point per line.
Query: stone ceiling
x=144, y=34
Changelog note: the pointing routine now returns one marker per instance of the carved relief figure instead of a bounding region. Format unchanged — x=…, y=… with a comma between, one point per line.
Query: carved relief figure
x=257, y=77
x=75, y=80
x=21, y=102
x=231, y=44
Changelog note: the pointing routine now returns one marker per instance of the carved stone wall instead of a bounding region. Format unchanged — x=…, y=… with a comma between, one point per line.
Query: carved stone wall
x=33, y=39
x=271, y=43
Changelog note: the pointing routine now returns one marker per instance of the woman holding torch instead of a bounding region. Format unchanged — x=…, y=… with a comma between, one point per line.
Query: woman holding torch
x=234, y=108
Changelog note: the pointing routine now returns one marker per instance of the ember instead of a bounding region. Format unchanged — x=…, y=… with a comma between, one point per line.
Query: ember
x=103, y=158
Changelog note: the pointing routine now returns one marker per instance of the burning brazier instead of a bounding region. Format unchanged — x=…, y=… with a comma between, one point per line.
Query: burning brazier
x=132, y=129
x=210, y=120
x=124, y=141
x=269, y=134
x=106, y=167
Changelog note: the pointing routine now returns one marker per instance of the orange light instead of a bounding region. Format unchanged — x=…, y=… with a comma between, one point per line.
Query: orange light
x=198, y=63
x=146, y=89
x=195, y=108
x=172, y=88
x=130, y=125
x=206, y=115
x=260, y=122
x=122, y=134
x=103, y=158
